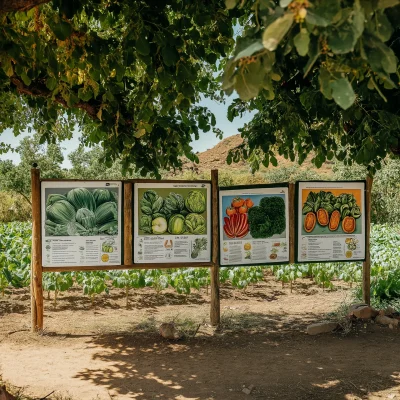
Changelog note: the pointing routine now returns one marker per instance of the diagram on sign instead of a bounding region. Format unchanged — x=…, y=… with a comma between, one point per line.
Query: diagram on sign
x=81, y=223
x=254, y=225
x=330, y=221
x=172, y=222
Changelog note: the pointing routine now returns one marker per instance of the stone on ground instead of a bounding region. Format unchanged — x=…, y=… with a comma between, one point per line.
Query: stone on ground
x=321, y=327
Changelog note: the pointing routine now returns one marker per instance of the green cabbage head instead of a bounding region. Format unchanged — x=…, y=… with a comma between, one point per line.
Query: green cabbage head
x=145, y=223
x=196, y=224
x=151, y=202
x=195, y=202
x=176, y=224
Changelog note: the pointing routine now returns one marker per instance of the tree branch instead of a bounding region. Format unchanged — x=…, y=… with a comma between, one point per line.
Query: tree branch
x=38, y=89
x=25, y=197
x=19, y=5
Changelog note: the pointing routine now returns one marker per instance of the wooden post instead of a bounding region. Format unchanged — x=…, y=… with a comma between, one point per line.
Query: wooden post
x=292, y=223
x=36, y=265
x=128, y=223
x=215, y=312
x=367, y=262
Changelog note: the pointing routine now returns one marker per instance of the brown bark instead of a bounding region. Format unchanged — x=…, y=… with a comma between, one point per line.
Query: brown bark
x=38, y=89
x=19, y=5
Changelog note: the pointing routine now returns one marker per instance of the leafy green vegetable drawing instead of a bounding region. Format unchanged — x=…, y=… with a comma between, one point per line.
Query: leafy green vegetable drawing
x=196, y=224
x=176, y=224
x=195, y=202
x=175, y=213
x=82, y=213
x=268, y=218
x=151, y=202
x=199, y=245
x=173, y=204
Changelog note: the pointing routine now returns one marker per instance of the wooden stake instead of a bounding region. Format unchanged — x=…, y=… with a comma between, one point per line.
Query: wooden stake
x=367, y=262
x=128, y=223
x=36, y=269
x=292, y=223
x=215, y=312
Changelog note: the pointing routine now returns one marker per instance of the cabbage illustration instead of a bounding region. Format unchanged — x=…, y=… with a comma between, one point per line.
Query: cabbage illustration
x=195, y=202
x=196, y=224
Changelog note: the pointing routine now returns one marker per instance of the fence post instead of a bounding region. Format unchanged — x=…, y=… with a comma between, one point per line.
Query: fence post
x=36, y=262
x=128, y=232
x=367, y=263
x=292, y=223
x=215, y=312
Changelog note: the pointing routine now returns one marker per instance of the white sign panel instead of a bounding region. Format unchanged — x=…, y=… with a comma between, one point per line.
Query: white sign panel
x=330, y=221
x=254, y=225
x=172, y=222
x=81, y=223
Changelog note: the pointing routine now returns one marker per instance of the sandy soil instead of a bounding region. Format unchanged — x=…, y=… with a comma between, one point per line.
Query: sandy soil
x=112, y=352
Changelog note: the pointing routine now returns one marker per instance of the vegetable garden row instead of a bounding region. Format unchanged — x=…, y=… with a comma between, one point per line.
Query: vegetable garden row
x=15, y=260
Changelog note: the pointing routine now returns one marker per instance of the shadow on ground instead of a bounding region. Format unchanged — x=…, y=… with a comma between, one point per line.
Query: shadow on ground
x=271, y=353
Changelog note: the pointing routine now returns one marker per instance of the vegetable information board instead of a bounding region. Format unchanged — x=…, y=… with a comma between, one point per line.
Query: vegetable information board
x=254, y=224
x=81, y=223
x=330, y=221
x=172, y=222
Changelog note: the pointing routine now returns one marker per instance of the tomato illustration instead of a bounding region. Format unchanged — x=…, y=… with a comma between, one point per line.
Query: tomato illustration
x=230, y=211
x=237, y=202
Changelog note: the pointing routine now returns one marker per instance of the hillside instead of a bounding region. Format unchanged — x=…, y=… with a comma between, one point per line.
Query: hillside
x=215, y=158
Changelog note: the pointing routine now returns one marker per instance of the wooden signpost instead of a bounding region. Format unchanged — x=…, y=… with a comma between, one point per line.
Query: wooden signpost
x=37, y=268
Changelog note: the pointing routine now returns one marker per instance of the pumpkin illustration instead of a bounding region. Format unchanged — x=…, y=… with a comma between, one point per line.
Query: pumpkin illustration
x=349, y=224
x=334, y=221
x=322, y=217
x=309, y=222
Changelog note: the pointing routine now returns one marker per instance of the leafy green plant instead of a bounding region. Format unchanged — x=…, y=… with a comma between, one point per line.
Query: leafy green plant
x=128, y=279
x=57, y=282
x=93, y=283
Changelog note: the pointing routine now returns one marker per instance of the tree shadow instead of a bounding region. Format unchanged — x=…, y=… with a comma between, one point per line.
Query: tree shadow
x=256, y=349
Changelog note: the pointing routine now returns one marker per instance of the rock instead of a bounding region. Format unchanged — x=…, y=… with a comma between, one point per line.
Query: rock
x=248, y=390
x=355, y=306
x=168, y=331
x=321, y=327
x=383, y=320
x=365, y=312
x=389, y=310
x=4, y=395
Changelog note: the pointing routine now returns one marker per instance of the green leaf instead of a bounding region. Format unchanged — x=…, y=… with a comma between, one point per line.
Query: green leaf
x=343, y=93
x=387, y=3
x=142, y=45
x=249, y=81
x=324, y=79
x=343, y=39
x=313, y=53
x=323, y=12
x=276, y=31
x=302, y=41
x=85, y=94
x=51, y=83
x=25, y=78
x=62, y=30
x=170, y=55
x=250, y=50
x=284, y=3
x=229, y=4
x=384, y=29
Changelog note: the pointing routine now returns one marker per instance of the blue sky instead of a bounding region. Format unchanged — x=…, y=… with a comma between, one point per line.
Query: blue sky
x=206, y=141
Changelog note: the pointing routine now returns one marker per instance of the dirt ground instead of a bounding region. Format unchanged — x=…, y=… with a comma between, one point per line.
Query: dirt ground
x=112, y=352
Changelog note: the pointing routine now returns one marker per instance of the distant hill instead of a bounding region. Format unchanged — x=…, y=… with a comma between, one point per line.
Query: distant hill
x=215, y=158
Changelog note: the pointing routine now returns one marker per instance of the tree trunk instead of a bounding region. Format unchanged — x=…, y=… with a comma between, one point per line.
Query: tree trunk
x=19, y=5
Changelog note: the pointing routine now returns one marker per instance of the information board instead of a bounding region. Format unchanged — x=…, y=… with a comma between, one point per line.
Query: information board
x=81, y=223
x=254, y=224
x=172, y=222
x=330, y=221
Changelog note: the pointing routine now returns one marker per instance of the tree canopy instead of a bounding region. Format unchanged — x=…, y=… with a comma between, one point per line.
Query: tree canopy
x=322, y=76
